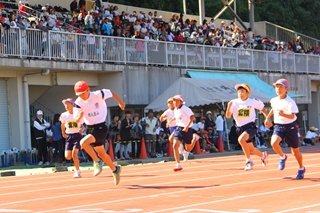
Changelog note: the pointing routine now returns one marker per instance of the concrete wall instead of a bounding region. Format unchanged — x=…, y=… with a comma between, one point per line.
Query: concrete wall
x=314, y=110
x=300, y=84
x=144, y=84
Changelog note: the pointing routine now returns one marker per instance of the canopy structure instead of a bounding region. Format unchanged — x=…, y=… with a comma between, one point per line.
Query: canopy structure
x=197, y=92
x=251, y=79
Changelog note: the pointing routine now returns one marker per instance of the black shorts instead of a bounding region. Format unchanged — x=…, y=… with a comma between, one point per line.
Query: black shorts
x=250, y=128
x=180, y=135
x=73, y=141
x=289, y=132
x=99, y=132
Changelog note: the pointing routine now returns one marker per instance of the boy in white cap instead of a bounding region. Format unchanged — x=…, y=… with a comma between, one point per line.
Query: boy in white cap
x=284, y=110
x=72, y=132
x=243, y=110
x=91, y=106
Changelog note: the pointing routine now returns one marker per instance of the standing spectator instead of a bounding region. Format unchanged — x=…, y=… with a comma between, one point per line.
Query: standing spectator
x=73, y=6
x=126, y=125
x=44, y=36
x=221, y=124
x=58, y=140
x=82, y=3
x=3, y=32
x=22, y=9
x=114, y=128
x=150, y=131
x=209, y=121
x=136, y=135
x=40, y=126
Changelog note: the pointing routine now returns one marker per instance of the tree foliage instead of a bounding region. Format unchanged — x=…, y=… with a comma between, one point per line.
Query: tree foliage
x=298, y=15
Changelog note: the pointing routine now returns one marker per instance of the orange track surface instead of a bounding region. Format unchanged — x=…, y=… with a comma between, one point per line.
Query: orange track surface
x=217, y=184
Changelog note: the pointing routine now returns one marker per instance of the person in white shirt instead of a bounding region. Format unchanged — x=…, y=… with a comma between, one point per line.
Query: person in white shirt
x=72, y=132
x=91, y=106
x=151, y=124
x=284, y=110
x=311, y=136
x=184, y=117
x=243, y=110
x=221, y=125
x=201, y=124
x=41, y=126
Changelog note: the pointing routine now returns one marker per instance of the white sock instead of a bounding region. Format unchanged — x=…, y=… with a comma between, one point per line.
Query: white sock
x=283, y=157
x=181, y=149
x=178, y=165
x=301, y=168
x=249, y=159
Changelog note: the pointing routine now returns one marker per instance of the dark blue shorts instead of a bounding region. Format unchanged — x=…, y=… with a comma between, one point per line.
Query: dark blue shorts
x=289, y=133
x=99, y=132
x=172, y=129
x=249, y=128
x=73, y=141
x=183, y=136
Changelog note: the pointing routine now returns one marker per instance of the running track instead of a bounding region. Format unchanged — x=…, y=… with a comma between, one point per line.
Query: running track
x=217, y=184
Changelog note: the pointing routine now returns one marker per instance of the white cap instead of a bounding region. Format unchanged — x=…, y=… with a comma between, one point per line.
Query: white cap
x=316, y=129
x=39, y=112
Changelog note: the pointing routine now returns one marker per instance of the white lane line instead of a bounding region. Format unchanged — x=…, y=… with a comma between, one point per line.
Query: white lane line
x=176, y=192
x=93, y=184
x=238, y=197
x=299, y=208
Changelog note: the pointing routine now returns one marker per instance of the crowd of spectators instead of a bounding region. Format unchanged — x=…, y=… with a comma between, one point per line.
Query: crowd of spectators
x=105, y=19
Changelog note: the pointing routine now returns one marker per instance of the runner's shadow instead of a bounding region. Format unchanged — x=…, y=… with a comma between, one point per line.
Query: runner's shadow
x=304, y=179
x=168, y=187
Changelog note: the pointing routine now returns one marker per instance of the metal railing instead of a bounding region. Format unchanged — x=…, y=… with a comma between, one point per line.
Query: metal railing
x=48, y=114
x=53, y=45
x=283, y=34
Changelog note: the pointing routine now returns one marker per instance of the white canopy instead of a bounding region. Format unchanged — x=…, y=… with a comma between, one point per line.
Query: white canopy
x=198, y=92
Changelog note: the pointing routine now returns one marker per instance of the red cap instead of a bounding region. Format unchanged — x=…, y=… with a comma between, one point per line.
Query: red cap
x=80, y=87
x=70, y=100
x=282, y=81
x=209, y=128
x=2, y=19
x=204, y=132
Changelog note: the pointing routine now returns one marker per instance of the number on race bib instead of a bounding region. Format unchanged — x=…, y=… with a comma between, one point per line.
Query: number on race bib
x=244, y=113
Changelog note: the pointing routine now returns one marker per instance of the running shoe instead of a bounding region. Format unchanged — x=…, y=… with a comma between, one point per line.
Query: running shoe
x=116, y=175
x=300, y=174
x=77, y=174
x=97, y=167
x=249, y=166
x=282, y=163
x=177, y=168
x=264, y=158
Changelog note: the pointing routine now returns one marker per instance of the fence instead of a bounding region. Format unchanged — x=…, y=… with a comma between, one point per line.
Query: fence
x=64, y=46
x=283, y=34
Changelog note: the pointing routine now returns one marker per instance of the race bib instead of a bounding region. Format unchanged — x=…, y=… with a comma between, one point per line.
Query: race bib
x=244, y=113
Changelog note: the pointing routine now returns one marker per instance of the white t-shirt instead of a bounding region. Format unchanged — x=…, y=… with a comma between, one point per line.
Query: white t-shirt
x=244, y=111
x=69, y=122
x=195, y=126
x=288, y=105
x=182, y=116
x=311, y=135
x=94, y=108
x=169, y=115
x=201, y=125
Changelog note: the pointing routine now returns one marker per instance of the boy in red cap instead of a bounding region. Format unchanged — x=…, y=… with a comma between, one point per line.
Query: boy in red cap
x=284, y=110
x=72, y=132
x=243, y=110
x=91, y=106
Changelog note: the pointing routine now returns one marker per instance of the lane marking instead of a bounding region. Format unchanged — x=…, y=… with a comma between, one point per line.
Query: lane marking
x=176, y=192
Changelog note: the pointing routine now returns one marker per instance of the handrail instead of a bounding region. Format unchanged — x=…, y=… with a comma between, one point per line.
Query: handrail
x=65, y=46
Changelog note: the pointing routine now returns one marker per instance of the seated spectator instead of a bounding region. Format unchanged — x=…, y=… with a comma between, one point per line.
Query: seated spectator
x=264, y=130
x=311, y=136
x=206, y=145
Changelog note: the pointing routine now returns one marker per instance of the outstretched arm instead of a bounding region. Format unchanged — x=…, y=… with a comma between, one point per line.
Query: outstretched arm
x=122, y=105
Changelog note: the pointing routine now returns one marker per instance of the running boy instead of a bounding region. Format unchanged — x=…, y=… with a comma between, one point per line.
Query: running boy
x=93, y=108
x=72, y=132
x=284, y=110
x=184, y=117
x=243, y=110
